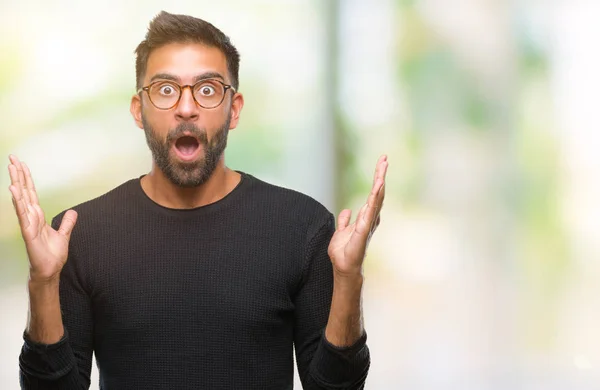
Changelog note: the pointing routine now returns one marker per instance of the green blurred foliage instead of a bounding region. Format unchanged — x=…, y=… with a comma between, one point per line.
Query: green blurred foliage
x=440, y=89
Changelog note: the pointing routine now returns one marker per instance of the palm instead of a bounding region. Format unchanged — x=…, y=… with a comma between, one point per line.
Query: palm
x=349, y=243
x=47, y=248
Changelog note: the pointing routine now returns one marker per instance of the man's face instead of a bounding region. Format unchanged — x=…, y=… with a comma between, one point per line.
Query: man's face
x=187, y=141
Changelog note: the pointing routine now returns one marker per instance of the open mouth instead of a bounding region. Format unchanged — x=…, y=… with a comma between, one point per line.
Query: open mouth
x=187, y=147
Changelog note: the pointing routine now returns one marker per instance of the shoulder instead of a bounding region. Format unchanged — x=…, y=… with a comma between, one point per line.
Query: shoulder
x=111, y=202
x=288, y=204
x=96, y=219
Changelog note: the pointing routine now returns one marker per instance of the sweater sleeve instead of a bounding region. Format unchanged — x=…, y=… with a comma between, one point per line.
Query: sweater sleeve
x=67, y=364
x=322, y=365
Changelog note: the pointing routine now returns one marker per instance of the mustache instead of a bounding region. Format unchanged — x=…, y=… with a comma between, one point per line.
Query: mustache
x=190, y=128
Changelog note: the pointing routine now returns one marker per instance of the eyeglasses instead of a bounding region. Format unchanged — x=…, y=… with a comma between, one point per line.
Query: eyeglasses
x=207, y=93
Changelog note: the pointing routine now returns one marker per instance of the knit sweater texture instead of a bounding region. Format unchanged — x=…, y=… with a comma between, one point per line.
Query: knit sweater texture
x=216, y=297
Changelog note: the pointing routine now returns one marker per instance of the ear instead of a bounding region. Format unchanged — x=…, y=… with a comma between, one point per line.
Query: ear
x=237, y=104
x=136, y=110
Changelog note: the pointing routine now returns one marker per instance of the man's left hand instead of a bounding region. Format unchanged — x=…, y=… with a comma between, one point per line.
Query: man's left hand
x=349, y=243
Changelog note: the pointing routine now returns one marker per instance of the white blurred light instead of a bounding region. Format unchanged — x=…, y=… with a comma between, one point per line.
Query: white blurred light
x=582, y=363
x=67, y=67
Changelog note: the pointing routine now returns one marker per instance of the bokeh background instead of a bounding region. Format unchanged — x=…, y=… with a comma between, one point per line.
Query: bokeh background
x=485, y=271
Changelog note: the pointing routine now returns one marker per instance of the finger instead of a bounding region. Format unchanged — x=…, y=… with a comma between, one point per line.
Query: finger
x=20, y=208
x=368, y=214
x=380, y=195
x=379, y=178
x=362, y=223
x=23, y=182
x=21, y=177
x=361, y=212
x=379, y=203
x=373, y=201
x=39, y=218
x=14, y=175
x=67, y=223
x=381, y=172
x=14, y=202
x=384, y=167
x=377, y=222
x=380, y=168
x=30, y=185
x=18, y=189
x=344, y=219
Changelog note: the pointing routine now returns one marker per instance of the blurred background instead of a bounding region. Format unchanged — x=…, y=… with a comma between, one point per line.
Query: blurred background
x=484, y=273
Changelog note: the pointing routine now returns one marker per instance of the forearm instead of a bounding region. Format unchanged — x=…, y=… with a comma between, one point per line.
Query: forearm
x=330, y=340
x=342, y=358
x=345, y=323
x=44, y=320
x=47, y=359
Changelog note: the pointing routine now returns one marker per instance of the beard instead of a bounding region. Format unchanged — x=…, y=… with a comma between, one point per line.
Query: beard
x=187, y=173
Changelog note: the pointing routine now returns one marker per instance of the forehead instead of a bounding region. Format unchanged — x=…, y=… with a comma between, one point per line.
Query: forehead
x=186, y=61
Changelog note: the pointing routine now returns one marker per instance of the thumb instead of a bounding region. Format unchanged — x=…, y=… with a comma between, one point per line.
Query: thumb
x=67, y=223
x=344, y=219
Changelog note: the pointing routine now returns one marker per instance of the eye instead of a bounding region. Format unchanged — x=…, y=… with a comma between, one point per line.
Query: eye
x=167, y=89
x=206, y=90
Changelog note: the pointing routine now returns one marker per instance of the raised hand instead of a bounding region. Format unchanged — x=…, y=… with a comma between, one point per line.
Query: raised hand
x=47, y=248
x=349, y=243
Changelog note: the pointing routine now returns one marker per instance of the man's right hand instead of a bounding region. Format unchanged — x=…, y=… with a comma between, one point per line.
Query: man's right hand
x=47, y=248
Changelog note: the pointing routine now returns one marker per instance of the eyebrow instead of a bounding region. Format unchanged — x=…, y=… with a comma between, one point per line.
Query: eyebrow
x=203, y=76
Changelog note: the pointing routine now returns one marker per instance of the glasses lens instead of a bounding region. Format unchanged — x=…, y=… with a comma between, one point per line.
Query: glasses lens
x=164, y=94
x=209, y=93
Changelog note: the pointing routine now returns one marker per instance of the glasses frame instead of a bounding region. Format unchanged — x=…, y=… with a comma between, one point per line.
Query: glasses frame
x=226, y=88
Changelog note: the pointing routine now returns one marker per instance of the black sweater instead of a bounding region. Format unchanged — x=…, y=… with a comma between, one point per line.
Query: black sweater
x=215, y=297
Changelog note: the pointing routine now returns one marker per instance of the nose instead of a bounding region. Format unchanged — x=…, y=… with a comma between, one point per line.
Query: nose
x=187, y=109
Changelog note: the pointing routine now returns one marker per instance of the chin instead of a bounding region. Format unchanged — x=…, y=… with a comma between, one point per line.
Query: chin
x=191, y=174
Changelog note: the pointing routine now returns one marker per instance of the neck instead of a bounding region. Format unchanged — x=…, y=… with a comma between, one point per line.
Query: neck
x=162, y=191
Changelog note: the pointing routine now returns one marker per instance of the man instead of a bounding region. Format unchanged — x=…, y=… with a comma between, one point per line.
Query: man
x=193, y=276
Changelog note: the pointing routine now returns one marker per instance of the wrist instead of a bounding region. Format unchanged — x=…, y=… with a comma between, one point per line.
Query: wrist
x=347, y=287
x=39, y=282
x=348, y=277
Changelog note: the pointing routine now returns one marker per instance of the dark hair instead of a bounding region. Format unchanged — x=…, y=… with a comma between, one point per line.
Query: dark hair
x=167, y=28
